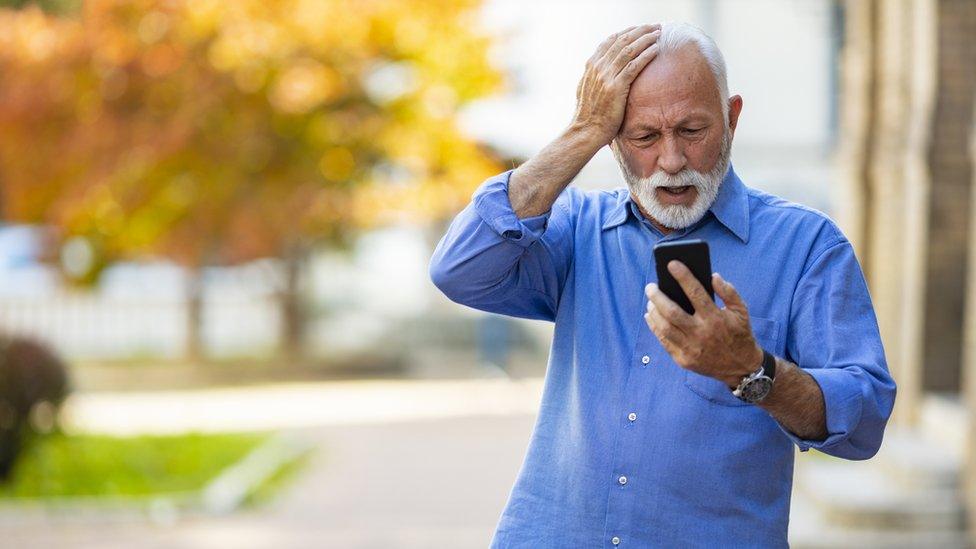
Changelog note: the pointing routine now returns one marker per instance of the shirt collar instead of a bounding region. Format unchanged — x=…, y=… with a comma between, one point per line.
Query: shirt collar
x=731, y=207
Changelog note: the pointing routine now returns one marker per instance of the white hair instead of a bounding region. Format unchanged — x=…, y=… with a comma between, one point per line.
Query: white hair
x=676, y=35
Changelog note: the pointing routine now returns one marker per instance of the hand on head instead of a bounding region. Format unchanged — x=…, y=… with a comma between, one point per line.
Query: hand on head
x=601, y=96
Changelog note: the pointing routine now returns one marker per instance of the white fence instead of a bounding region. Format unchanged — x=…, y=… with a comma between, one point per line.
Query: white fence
x=87, y=325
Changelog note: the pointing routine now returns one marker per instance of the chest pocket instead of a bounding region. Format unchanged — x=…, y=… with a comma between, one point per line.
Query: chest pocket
x=767, y=333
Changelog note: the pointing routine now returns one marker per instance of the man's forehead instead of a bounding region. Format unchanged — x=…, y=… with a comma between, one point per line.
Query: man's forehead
x=680, y=79
x=653, y=118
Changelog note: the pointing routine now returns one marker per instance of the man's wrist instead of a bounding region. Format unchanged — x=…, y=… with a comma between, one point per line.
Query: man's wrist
x=756, y=360
x=749, y=365
x=534, y=186
x=584, y=139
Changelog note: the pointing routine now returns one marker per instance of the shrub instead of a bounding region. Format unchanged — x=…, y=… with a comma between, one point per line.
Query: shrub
x=33, y=384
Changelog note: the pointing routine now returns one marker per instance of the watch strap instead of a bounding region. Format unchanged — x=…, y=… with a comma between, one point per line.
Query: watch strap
x=769, y=364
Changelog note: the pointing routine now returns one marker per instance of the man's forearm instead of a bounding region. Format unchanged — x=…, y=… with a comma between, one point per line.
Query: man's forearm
x=534, y=186
x=797, y=402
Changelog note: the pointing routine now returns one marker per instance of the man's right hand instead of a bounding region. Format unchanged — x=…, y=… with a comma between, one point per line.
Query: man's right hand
x=601, y=99
x=601, y=96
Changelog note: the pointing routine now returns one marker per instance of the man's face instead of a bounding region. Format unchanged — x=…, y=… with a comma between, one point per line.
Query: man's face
x=674, y=143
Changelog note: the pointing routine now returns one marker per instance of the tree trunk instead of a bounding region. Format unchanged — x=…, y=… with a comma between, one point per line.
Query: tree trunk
x=293, y=312
x=194, y=351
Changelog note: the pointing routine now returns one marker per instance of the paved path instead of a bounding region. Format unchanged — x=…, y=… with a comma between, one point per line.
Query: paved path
x=416, y=484
x=399, y=463
x=300, y=405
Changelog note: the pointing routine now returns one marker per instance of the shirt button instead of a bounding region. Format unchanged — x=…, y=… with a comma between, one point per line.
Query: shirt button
x=622, y=480
x=645, y=359
x=615, y=540
x=632, y=416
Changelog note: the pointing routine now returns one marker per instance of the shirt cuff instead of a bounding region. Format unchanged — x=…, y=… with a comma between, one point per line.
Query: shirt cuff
x=493, y=205
x=842, y=406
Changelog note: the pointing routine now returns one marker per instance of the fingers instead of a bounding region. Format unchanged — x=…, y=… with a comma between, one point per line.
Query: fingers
x=670, y=336
x=637, y=64
x=600, y=94
x=668, y=321
x=667, y=308
x=727, y=292
x=623, y=41
x=644, y=44
x=605, y=45
x=699, y=298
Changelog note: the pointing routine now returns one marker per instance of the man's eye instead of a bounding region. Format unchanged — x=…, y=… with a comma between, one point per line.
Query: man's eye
x=647, y=137
x=692, y=131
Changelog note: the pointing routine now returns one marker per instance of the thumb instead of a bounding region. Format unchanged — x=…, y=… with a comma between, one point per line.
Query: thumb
x=727, y=292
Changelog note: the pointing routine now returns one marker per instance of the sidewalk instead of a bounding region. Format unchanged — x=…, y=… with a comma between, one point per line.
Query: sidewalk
x=399, y=463
x=407, y=485
x=300, y=405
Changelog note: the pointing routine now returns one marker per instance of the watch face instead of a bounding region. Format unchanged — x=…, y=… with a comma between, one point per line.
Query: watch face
x=757, y=389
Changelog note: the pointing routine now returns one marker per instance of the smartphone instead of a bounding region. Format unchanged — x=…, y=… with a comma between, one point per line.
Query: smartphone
x=694, y=254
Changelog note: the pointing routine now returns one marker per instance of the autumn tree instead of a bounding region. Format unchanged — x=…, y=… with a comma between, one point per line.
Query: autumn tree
x=213, y=132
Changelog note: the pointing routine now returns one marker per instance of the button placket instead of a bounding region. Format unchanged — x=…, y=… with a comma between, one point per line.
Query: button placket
x=621, y=501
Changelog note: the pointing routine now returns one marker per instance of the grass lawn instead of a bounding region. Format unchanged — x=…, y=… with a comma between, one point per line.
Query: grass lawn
x=92, y=465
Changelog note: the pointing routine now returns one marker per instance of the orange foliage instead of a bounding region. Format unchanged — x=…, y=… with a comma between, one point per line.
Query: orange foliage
x=211, y=131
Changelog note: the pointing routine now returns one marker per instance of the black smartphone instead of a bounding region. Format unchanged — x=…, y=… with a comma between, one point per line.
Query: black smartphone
x=694, y=254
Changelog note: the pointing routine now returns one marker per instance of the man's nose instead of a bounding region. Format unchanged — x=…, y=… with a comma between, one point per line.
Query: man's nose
x=672, y=157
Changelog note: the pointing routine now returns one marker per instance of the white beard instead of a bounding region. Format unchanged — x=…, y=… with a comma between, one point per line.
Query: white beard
x=677, y=216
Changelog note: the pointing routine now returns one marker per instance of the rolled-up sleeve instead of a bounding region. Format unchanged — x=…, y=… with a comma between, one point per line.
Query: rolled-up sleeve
x=492, y=204
x=492, y=260
x=834, y=337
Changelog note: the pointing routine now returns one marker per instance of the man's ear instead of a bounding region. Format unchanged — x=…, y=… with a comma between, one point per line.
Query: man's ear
x=735, y=107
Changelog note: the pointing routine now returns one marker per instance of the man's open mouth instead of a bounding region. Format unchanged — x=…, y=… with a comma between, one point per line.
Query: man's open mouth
x=676, y=190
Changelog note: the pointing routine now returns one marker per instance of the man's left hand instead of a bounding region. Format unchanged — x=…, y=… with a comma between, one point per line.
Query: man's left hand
x=712, y=342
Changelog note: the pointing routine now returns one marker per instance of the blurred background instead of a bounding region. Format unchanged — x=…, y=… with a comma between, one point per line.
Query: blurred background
x=216, y=323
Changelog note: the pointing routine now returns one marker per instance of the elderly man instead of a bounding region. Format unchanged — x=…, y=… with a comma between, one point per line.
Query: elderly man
x=640, y=440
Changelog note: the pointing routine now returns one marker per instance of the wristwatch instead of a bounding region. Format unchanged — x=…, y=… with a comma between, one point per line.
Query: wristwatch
x=754, y=387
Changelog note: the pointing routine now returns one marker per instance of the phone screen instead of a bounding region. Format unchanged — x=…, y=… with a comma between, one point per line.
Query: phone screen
x=694, y=254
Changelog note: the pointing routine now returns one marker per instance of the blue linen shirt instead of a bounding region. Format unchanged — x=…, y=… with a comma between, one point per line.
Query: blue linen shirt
x=629, y=449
